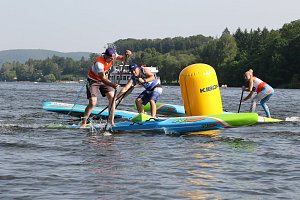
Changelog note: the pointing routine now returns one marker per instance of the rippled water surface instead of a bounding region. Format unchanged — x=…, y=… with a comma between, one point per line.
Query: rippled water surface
x=254, y=162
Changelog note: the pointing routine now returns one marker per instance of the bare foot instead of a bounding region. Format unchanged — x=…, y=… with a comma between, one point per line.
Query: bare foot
x=83, y=125
x=83, y=122
x=111, y=123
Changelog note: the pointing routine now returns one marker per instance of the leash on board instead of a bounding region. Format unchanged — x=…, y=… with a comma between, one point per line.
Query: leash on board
x=76, y=100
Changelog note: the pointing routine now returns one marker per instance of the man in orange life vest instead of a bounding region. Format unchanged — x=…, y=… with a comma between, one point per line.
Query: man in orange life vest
x=98, y=81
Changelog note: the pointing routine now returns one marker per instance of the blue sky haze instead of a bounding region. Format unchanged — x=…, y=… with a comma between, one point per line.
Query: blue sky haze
x=88, y=25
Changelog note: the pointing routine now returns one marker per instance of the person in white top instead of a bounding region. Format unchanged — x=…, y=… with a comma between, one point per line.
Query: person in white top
x=98, y=82
x=262, y=89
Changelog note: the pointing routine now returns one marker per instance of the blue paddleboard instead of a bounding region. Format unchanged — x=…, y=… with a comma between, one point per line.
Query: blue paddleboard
x=190, y=124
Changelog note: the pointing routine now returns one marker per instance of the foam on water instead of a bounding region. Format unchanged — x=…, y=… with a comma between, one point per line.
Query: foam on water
x=292, y=119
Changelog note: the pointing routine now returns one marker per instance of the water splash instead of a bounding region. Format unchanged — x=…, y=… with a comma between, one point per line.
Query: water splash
x=107, y=133
x=292, y=119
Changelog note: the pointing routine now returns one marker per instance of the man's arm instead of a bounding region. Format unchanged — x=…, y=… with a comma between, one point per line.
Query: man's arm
x=127, y=54
x=125, y=88
x=104, y=79
x=149, y=75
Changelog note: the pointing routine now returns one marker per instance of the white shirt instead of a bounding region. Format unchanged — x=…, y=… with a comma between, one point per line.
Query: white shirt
x=99, y=67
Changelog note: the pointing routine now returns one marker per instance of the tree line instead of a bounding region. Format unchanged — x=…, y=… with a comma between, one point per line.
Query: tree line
x=274, y=56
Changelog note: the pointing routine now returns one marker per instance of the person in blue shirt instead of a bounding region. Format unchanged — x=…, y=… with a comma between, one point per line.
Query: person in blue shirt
x=143, y=77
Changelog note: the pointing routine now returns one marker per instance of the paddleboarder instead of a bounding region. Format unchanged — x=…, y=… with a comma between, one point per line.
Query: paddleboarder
x=262, y=89
x=97, y=80
x=143, y=77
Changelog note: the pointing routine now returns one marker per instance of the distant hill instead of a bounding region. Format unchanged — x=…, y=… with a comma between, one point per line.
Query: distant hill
x=22, y=55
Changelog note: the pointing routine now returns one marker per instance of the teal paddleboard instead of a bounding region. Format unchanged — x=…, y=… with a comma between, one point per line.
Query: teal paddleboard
x=78, y=110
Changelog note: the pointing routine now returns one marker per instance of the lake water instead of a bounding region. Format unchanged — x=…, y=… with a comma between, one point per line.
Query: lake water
x=254, y=162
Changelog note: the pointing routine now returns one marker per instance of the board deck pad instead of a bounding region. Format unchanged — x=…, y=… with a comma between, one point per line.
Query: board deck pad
x=141, y=117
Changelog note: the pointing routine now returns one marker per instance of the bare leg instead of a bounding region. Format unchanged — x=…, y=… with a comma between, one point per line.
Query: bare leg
x=88, y=110
x=139, y=105
x=111, y=107
x=153, y=108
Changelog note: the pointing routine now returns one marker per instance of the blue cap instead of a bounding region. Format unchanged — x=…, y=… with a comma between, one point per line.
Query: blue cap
x=132, y=67
x=110, y=52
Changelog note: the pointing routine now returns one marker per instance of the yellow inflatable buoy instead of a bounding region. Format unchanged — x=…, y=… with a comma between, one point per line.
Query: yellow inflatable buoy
x=200, y=90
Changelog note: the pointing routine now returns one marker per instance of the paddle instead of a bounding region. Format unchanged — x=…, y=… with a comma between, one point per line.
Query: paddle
x=241, y=99
x=120, y=97
x=114, y=98
x=124, y=95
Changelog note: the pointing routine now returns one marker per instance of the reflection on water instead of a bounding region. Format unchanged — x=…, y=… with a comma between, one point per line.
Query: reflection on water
x=211, y=133
x=204, y=158
x=206, y=163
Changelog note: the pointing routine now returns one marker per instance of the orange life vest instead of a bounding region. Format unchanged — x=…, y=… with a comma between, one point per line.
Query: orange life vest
x=95, y=76
x=258, y=84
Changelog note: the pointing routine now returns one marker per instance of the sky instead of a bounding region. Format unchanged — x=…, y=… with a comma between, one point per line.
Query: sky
x=89, y=25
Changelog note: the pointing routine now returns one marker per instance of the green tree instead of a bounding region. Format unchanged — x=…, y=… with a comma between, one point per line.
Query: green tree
x=207, y=54
x=24, y=72
x=7, y=72
x=226, y=48
x=49, y=67
x=49, y=78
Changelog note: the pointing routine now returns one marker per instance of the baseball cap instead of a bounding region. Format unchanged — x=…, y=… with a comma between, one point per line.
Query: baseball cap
x=132, y=67
x=110, y=52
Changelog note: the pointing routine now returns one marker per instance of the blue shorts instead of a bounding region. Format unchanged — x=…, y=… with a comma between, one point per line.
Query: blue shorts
x=146, y=96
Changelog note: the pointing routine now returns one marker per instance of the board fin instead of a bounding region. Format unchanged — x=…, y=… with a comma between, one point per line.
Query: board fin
x=141, y=117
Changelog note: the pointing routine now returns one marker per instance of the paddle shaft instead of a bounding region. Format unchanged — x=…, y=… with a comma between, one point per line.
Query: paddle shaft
x=120, y=97
x=115, y=94
x=124, y=95
x=241, y=99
